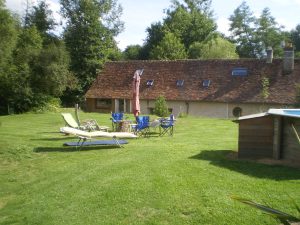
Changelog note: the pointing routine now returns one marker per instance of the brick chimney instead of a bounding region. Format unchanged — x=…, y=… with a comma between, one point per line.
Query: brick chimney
x=269, y=54
x=288, y=60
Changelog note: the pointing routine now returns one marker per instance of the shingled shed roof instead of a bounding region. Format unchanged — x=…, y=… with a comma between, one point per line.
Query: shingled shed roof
x=115, y=80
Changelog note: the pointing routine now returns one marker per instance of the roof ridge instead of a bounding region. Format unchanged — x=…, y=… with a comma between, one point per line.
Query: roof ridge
x=192, y=60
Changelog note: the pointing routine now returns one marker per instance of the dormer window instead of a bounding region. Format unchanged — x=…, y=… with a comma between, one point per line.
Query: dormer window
x=206, y=83
x=179, y=83
x=150, y=83
x=239, y=72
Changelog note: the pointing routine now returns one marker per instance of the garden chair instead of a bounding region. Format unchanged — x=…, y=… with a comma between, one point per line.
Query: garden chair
x=142, y=127
x=84, y=136
x=116, y=118
x=167, y=126
x=91, y=123
x=85, y=125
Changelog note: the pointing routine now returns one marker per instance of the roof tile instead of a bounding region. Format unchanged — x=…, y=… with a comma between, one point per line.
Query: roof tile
x=115, y=81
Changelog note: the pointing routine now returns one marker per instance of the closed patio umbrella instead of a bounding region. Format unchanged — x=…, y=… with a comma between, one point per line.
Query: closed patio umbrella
x=136, y=92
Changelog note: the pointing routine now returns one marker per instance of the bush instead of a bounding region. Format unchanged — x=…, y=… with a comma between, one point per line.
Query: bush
x=47, y=104
x=297, y=100
x=160, y=107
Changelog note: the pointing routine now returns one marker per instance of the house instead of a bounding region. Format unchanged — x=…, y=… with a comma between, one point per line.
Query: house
x=271, y=135
x=213, y=88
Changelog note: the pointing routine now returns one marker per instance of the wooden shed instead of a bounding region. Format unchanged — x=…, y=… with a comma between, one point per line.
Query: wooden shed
x=272, y=135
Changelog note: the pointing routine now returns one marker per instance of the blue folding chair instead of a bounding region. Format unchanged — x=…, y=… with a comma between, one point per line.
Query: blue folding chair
x=167, y=126
x=116, y=119
x=142, y=127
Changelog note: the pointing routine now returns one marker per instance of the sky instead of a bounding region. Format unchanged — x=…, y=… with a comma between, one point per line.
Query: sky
x=140, y=14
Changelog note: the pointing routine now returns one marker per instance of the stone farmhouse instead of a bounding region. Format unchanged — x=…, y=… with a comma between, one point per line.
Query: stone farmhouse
x=211, y=88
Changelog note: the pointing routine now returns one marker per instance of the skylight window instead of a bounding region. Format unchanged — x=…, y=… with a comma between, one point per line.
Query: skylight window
x=239, y=72
x=179, y=83
x=150, y=83
x=206, y=83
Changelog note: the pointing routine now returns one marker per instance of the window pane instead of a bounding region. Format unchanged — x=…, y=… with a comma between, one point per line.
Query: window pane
x=103, y=103
x=150, y=82
x=239, y=72
x=179, y=83
x=206, y=83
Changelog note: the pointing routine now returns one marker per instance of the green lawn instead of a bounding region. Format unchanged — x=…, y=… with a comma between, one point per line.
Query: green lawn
x=184, y=179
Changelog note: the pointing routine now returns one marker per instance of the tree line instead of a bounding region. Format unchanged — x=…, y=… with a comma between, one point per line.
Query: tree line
x=189, y=31
x=39, y=68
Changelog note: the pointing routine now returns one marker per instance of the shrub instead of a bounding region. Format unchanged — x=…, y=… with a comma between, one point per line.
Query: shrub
x=47, y=104
x=160, y=107
x=297, y=100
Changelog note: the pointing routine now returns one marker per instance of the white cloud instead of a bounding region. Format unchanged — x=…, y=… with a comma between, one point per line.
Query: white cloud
x=19, y=6
x=288, y=25
x=55, y=8
x=288, y=3
x=223, y=25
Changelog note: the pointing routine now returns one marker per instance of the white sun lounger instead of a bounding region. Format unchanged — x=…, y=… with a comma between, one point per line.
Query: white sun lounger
x=84, y=135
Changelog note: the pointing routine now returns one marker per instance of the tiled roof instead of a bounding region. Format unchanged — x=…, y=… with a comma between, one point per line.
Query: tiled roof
x=115, y=81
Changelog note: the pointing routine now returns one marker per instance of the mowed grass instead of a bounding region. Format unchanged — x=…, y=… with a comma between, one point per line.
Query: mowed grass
x=184, y=179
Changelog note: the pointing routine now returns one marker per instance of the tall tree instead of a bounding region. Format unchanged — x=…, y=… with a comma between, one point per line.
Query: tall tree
x=269, y=33
x=155, y=35
x=41, y=17
x=243, y=32
x=190, y=21
x=36, y=62
x=50, y=75
x=27, y=50
x=89, y=35
x=170, y=47
x=295, y=37
x=9, y=30
x=132, y=52
x=254, y=35
x=218, y=48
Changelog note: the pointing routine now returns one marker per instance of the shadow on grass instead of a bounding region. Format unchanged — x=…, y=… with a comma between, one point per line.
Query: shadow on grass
x=54, y=139
x=274, y=172
x=74, y=149
x=149, y=135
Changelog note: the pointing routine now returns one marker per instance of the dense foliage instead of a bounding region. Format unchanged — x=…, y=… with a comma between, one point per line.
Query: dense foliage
x=295, y=37
x=190, y=23
x=9, y=29
x=169, y=47
x=252, y=35
x=38, y=66
x=89, y=36
x=185, y=24
x=218, y=48
x=132, y=52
